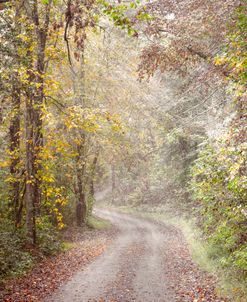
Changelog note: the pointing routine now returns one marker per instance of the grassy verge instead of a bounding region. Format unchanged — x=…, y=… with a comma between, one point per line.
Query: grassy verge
x=98, y=223
x=229, y=284
x=67, y=245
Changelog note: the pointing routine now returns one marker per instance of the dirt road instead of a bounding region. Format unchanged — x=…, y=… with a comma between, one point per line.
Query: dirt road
x=146, y=262
x=130, y=270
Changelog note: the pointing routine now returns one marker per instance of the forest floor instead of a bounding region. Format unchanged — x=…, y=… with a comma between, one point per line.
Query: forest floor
x=82, y=246
x=147, y=261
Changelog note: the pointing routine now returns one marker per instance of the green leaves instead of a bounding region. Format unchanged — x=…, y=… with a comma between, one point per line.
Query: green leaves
x=119, y=14
x=234, y=57
x=219, y=184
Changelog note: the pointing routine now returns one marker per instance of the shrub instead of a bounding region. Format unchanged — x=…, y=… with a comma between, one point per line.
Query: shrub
x=219, y=184
x=47, y=236
x=13, y=259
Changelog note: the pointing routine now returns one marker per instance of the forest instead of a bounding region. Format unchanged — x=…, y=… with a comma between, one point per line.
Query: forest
x=137, y=107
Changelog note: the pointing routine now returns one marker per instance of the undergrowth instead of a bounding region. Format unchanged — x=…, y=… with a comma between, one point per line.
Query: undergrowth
x=16, y=258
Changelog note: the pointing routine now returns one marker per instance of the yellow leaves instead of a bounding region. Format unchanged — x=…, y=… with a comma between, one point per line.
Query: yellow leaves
x=91, y=121
x=26, y=46
x=62, y=201
x=48, y=178
x=29, y=181
x=24, y=38
x=56, y=193
x=53, y=53
x=77, y=141
x=30, y=77
x=61, y=146
x=59, y=217
x=10, y=179
x=50, y=84
x=115, y=128
x=46, y=156
x=23, y=75
x=55, y=199
x=4, y=164
x=49, y=192
x=90, y=126
x=219, y=60
x=70, y=124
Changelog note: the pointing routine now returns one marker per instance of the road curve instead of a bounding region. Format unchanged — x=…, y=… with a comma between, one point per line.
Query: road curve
x=131, y=269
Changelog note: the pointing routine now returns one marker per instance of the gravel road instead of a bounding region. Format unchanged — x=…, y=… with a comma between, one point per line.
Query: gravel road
x=131, y=269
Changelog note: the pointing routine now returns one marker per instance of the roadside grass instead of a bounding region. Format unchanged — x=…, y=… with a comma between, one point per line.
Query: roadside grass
x=97, y=223
x=229, y=284
x=67, y=245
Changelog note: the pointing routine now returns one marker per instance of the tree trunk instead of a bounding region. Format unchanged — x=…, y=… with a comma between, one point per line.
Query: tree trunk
x=90, y=198
x=81, y=208
x=93, y=174
x=113, y=182
x=30, y=174
x=38, y=98
x=34, y=102
x=38, y=142
x=14, y=132
x=14, y=147
x=34, y=144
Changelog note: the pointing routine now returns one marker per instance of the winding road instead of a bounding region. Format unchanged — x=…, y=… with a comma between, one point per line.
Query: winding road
x=131, y=269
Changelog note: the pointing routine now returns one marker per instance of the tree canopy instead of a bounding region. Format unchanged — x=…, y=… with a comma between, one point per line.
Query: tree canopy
x=143, y=100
